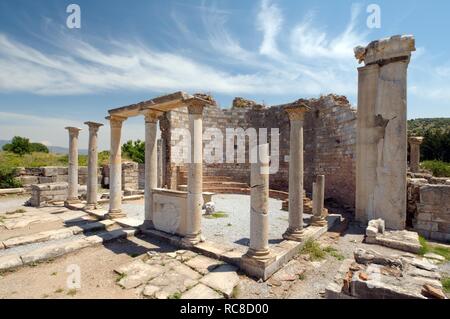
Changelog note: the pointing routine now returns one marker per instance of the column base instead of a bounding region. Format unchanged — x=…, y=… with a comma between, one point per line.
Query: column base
x=114, y=214
x=318, y=221
x=259, y=254
x=294, y=235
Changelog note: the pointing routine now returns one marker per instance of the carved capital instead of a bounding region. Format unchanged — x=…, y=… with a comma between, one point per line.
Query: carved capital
x=93, y=126
x=195, y=105
x=116, y=121
x=152, y=116
x=417, y=140
x=297, y=111
x=73, y=131
x=394, y=49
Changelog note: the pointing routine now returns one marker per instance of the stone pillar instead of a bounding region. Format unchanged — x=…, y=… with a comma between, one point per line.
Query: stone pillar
x=115, y=168
x=195, y=173
x=92, y=181
x=259, y=205
x=318, y=219
x=151, y=163
x=296, y=114
x=381, y=161
x=414, y=155
x=72, y=193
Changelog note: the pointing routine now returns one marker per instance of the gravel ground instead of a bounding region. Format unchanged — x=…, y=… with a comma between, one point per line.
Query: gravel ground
x=235, y=227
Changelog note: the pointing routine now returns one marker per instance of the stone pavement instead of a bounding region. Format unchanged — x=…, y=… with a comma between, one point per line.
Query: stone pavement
x=179, y=274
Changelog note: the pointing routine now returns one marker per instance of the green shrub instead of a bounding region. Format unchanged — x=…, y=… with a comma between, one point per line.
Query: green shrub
x=38, y=147
x=439, y=169
x=19, y=145
x=135, y=151
x=8, y=178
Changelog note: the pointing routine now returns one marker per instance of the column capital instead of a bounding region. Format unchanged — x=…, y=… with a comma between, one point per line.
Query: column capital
x=296, y=111
x=151, y=115
x=415, y=140
x=195, y=105
x=393, y=49
x=116, y=120
x=93, y=125
x=73, y=130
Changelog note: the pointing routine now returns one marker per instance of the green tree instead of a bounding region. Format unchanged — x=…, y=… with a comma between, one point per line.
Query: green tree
x=19, y=145
x=38, y=147
x=134, y=151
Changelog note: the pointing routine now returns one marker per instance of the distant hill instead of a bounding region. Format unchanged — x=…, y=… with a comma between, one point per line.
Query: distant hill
x=418, y=127
x=52, y=149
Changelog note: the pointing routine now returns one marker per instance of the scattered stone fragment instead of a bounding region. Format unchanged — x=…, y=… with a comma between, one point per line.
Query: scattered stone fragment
x=201, y=291
x=433, y=292
x=363, y=276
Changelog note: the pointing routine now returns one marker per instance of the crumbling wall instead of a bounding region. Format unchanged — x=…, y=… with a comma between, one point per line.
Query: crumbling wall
x=329, y=133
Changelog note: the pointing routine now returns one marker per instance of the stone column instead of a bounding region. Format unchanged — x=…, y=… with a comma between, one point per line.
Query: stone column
x=381, y=160
x=296, y=114
x=195, y=173
x=259, y=205
x=72, y=192
x=414, y=155
x=318, y=219
x=115, y=168
x=151, y=163
x=92, y=181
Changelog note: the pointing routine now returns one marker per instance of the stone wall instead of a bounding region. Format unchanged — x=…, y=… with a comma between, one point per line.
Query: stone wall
x=329, y=134
x=429, y=206
x=50, y=174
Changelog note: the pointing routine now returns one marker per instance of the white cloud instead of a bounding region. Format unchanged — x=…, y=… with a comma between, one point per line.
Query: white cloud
x=311, y=42
x=269, y=21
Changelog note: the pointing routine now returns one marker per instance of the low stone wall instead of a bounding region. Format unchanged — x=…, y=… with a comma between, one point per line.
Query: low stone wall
x=42, y=194
x=429, y=206
x=50, y=174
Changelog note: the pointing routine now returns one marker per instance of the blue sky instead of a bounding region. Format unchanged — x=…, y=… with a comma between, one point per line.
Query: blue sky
x=272, y=51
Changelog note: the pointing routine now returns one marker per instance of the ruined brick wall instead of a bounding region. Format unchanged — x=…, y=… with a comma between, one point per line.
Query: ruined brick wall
x=329, y=138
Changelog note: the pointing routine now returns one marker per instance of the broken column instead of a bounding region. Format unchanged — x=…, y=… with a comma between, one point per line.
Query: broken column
x=414, y=154
x=296, y=114
x=115, y=170
x=381, y=160
x=259, y=205
x=92, y=181
x=151, y=163
x=72, y=192
x=195, y=172
x=318, y=218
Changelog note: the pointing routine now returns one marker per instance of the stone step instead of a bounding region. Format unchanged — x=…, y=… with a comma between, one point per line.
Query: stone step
x=57, y=234
x=15, y=260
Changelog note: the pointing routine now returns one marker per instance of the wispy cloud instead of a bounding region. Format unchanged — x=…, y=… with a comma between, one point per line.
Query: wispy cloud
x=269, y=21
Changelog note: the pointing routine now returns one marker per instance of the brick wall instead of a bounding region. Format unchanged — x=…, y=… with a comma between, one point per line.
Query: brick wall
x=329, y=138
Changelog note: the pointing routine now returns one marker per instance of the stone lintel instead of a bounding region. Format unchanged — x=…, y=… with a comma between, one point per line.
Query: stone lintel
x=385, y=50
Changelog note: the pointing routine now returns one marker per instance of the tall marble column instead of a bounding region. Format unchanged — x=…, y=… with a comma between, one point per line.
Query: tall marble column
x=381, y=160
x=414, y=154
x=259, y=205
x=115, y=168
x=296, y=114
x=318, y=202
x=92, y=181
x=72, y=193
x=151, y=163
x=195, y=173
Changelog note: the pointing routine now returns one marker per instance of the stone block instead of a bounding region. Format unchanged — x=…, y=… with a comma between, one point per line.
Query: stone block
x=28, y=180
x=46, y=180
x=10, y=261
x=50, y=171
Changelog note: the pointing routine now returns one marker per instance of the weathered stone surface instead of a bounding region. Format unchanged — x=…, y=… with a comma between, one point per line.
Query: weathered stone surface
x=433, y=292
x=224, y=279
x=10, y=261
x=137, y=273
x=171, y=283
x=435, y=257
x=203, y=264
x=201, y=291
x=39, y=237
